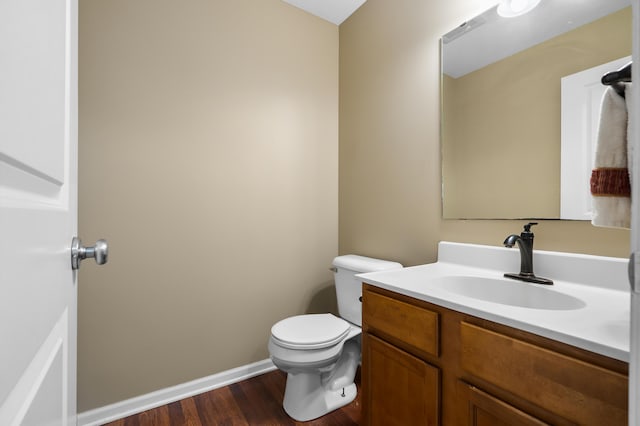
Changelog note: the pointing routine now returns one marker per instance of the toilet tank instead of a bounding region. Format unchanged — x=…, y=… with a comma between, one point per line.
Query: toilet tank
x=349, y=288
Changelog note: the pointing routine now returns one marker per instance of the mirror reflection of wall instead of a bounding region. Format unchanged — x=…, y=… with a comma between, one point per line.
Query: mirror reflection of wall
x=501, y=112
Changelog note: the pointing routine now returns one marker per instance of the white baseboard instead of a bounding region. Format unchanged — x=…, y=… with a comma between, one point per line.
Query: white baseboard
x=165, y=396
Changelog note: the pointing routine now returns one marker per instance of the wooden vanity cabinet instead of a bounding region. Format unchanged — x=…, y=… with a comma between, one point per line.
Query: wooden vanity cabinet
x=400, y=388
x=423, y=364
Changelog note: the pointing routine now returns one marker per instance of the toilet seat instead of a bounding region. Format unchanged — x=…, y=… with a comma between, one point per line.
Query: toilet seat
x=308, y=332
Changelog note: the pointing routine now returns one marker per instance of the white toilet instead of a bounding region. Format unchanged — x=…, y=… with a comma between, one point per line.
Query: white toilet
x=320, y=352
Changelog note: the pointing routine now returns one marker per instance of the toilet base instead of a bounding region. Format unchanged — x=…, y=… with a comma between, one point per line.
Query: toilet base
x=308, y=396
x=305, y=398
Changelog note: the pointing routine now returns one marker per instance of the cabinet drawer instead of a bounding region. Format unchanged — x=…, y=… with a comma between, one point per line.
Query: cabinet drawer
x=576, y=390
x=413, y=325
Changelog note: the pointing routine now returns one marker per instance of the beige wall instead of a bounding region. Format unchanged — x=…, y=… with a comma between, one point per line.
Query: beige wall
x=501, y=125
x=209, y=159
x=389, y=141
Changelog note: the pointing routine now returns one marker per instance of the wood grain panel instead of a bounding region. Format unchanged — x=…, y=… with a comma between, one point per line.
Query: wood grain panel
x=486, y=410
x=400, y=388
x=413, y=325
x=576, y=390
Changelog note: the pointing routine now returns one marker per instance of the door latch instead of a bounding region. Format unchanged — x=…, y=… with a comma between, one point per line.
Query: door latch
x=100, y=252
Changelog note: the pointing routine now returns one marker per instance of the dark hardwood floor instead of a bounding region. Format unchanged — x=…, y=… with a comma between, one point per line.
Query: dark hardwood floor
x=256, y=401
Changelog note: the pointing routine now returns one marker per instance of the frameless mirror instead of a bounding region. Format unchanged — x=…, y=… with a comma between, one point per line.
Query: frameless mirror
x=501, y=103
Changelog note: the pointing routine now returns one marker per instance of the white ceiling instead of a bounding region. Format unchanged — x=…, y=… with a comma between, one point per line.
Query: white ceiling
x=335, y=11
x=482, y=41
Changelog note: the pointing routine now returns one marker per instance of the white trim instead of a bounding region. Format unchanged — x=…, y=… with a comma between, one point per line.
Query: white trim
x=634, y=138
x=165, y=396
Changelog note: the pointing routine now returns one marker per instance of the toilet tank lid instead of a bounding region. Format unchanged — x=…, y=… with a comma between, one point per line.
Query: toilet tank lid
x=356, y=263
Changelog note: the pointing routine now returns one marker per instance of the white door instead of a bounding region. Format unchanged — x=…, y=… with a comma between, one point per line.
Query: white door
x=581, y=99
x=38, y=211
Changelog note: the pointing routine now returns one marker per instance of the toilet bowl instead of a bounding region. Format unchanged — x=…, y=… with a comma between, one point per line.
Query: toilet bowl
x=320, y=363
x=321, y=352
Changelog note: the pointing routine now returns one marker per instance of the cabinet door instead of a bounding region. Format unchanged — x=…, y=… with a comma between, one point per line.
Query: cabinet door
x=486, y=410
x=398, y=388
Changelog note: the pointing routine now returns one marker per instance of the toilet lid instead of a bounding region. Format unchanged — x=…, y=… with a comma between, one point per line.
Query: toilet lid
x=313, y=331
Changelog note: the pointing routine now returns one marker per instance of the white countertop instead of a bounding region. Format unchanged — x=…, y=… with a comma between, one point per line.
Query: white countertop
x=601, y=325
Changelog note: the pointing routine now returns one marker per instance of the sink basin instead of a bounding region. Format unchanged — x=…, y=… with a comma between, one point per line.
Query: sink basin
x=507, y=292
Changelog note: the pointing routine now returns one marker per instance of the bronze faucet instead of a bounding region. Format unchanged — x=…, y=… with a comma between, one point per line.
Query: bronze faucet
x=525, y=244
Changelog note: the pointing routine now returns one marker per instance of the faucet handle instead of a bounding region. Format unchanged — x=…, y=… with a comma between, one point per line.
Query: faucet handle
x=527, y=227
